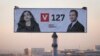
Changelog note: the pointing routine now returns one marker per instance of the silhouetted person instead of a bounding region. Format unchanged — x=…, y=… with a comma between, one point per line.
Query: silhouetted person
x=75, y=25
x=27, y=23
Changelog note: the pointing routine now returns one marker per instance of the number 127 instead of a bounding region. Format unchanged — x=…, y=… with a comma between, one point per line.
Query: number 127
x=58, y=17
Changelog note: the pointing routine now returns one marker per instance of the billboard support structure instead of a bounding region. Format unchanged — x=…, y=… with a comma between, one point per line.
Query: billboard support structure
x=54, y=44
x=16, y=7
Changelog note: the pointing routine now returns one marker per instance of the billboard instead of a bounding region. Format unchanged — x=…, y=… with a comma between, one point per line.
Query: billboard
x=64, y=20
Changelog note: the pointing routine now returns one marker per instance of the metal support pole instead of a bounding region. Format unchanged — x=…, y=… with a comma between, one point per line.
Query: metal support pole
x=54, y=44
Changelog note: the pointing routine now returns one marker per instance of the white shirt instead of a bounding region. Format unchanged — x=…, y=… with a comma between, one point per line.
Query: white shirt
x=73, y=23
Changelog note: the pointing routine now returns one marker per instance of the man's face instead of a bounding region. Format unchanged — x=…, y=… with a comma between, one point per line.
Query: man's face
x=73, y=16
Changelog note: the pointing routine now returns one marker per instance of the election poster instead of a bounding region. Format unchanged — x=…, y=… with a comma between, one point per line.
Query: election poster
x=48, y=20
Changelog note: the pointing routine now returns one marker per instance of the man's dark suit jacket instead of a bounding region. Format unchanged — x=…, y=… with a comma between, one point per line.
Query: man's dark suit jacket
x=77, y=27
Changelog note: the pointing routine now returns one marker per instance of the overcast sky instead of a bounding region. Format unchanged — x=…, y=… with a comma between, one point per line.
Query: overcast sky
x=16, y=42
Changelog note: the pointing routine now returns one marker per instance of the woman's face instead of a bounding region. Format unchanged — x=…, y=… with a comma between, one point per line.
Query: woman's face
x=27, y=16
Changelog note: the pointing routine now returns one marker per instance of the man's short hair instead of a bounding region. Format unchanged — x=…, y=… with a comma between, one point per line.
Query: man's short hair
x=76, y=12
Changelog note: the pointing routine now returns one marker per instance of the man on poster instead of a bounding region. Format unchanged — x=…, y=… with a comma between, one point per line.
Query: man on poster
x=75, y=25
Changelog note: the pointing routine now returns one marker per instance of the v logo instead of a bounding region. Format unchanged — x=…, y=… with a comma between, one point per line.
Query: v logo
x=44, y=17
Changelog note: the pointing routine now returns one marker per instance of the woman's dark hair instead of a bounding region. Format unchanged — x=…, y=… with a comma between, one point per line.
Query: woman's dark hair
x=22, y=21
x=76, y=12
